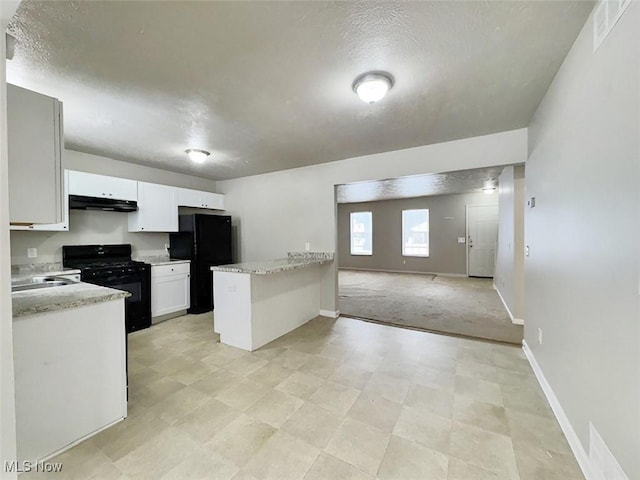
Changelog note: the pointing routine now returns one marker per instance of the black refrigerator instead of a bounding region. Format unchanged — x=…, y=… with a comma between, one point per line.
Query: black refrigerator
x=206, y=241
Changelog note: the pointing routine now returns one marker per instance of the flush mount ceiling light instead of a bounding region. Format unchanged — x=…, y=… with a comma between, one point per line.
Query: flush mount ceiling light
x=196, y=155
x=372, y=86
x=488, y=190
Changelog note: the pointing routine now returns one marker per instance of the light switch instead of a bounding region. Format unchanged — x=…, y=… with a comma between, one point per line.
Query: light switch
x=32, y=252
x=307, y=247
x=461, y=240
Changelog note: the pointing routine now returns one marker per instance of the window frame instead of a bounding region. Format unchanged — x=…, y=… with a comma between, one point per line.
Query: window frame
x=428, y=232
x=351, y=232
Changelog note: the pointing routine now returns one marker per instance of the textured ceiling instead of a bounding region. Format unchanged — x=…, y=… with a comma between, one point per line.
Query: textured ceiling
x=266, y=86
x=461, y=181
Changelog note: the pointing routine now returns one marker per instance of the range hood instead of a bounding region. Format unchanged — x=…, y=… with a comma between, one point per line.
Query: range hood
x=79, y=202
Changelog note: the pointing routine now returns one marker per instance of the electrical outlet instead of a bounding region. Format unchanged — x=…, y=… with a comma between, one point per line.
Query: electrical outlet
x=32, y=252
x=539, y=336
x=166, y=247
x=461, y=240
x=231, y=288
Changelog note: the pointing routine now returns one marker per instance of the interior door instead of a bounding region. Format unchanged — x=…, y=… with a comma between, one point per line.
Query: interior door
x=482, y=239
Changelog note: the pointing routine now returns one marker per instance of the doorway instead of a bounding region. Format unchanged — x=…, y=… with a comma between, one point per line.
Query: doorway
x=432, y=272
x=482, y=240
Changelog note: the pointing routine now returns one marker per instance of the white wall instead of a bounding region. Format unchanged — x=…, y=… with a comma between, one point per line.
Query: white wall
x=7, y=389
x=582, y=276
x=96, y=227
x=278, y=212
x=85, y=228
x=509, y=273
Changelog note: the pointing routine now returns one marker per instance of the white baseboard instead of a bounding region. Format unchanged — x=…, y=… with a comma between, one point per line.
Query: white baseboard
x=76, y=442
x=440, y=274
x=515, y=321
x=330, y=313
x=574, y=442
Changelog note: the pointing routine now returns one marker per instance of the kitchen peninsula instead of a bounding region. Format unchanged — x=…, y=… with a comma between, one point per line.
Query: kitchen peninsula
x=70, y=364
x=257, y=302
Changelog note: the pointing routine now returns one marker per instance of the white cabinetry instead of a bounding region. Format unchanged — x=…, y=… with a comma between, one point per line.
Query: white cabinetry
x=157, y=209
x=92, y=185
x=199, y=199
x=70, y=376
x=170, y=288
x=35, y=139
x=53, y=227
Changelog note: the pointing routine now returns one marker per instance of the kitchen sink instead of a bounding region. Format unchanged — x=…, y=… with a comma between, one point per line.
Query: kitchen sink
x=40, y=282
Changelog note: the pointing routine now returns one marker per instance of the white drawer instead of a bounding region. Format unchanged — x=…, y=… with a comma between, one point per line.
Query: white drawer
x=171, y=269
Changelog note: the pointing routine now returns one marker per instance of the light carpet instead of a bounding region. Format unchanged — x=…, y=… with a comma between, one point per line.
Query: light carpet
x=455, y=305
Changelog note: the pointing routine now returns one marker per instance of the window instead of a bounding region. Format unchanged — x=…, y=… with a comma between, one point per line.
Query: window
x=415, y=233
x=361, y=228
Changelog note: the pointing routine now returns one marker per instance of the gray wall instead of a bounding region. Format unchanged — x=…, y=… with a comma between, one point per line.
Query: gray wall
x=447, y=222
x=509, y=273
x=278, y=212
x=582, y=275
x=87, y=227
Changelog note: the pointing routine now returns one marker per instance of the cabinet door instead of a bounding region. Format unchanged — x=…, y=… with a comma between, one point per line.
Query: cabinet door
x=213, y=201
x=169, y=294
x=157, y=209
x=92, y=185
x=189, y=198
x=53, y=227
x=34, y=138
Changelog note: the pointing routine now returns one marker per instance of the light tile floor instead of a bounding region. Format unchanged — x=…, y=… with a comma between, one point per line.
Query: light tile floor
x=335, y=399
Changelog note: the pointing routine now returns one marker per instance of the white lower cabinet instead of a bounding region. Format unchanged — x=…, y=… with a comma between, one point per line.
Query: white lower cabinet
x=70, y=376
x=170, y=288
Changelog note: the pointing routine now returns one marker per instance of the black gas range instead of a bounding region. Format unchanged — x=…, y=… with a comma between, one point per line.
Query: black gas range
x=112, y=266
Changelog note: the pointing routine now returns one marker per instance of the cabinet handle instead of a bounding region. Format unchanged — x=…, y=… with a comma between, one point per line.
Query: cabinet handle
x=111, y=194
x=104, y=194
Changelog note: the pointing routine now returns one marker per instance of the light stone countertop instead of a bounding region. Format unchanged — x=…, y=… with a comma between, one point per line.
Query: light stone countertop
x=30, y=302
x=268, y=267
x=156, y=260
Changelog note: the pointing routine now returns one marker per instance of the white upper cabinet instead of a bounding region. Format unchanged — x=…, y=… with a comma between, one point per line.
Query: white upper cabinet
x=35, y=139
x=189, y=198
x=92, y=185
x=199, y=199
x=157, y=209
x=52, y=227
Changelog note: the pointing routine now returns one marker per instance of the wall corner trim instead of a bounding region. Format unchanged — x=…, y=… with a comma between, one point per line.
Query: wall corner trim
x=515, y=321
x=574, y=442
x=330, y=313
